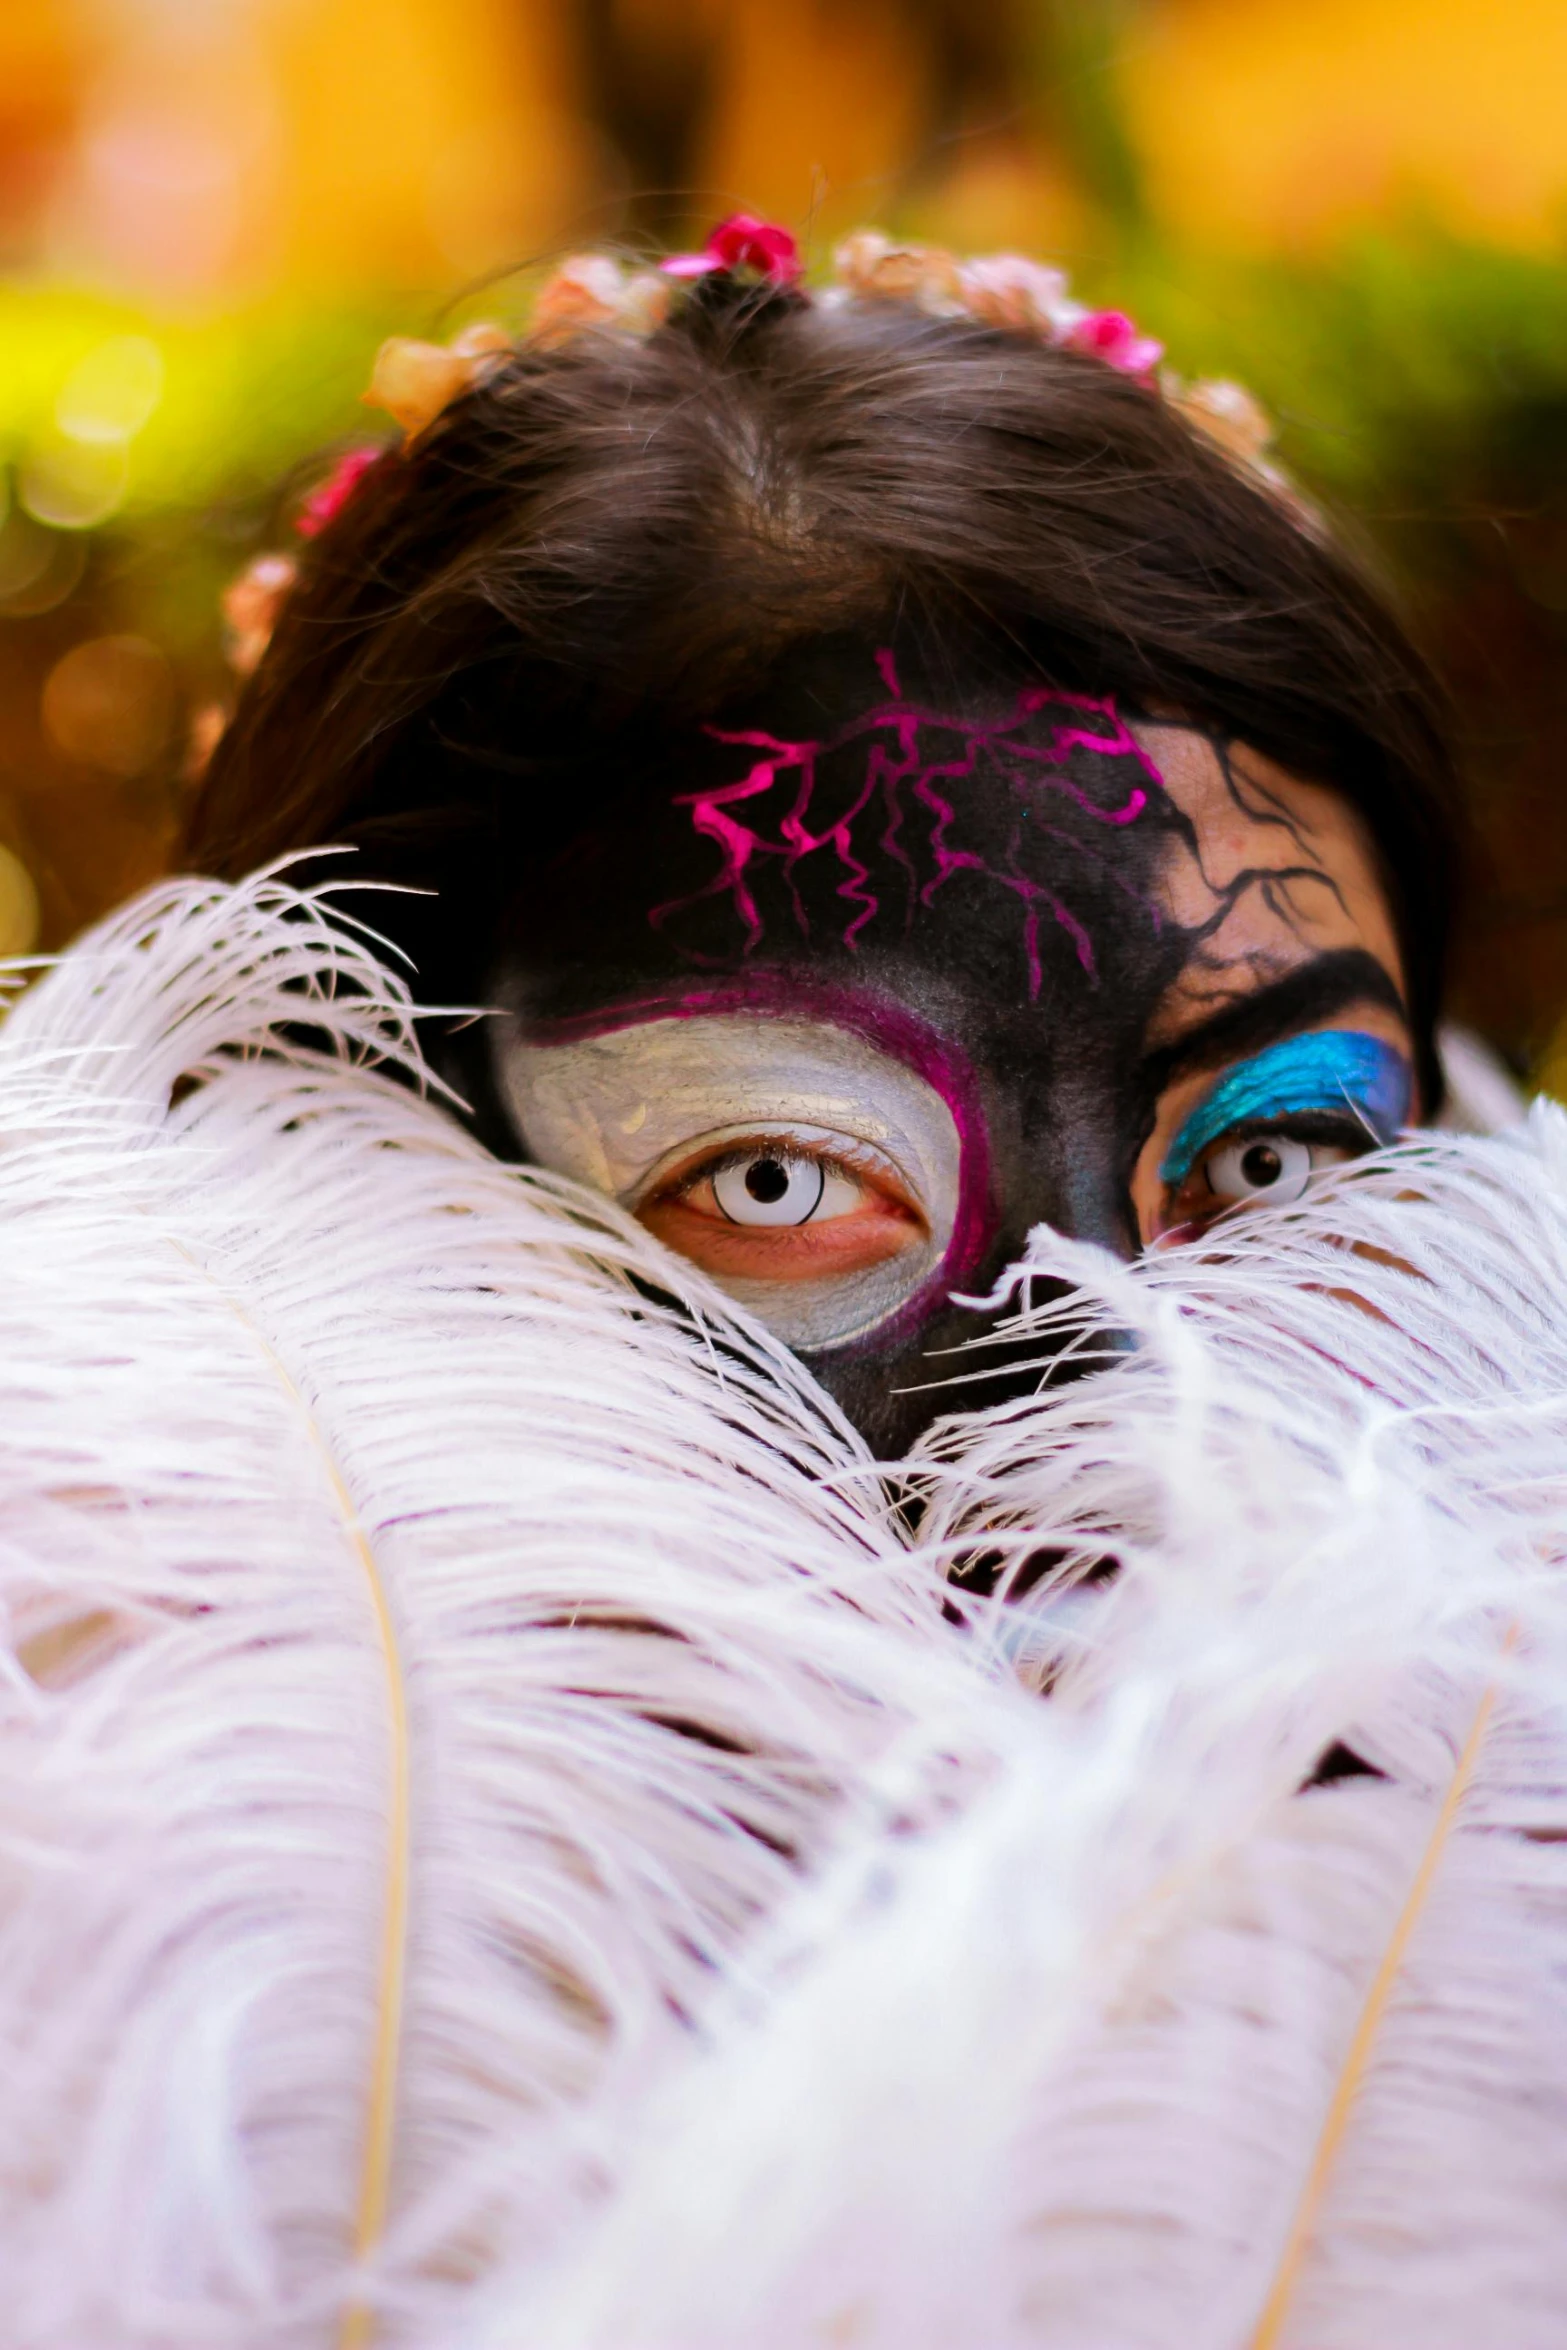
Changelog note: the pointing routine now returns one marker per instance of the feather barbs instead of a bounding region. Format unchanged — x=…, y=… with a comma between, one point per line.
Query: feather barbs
x=509, y=1835
x=1360, y=2052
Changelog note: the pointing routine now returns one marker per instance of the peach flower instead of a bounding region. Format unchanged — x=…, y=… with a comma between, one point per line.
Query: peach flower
x=1008, y=290
x=874, y=268
x=205, y=732
x=251, y=605
x=593, y=290
x=415, y=381
x=1226, y=413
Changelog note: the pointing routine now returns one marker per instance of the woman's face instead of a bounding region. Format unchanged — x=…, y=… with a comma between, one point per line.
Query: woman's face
x=877, y=983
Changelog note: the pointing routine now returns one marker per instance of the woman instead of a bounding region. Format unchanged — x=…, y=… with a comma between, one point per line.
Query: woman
x=900, y=785
x=902, y=775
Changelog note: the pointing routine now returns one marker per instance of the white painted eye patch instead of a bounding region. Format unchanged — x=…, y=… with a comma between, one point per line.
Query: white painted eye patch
x=815, y=1177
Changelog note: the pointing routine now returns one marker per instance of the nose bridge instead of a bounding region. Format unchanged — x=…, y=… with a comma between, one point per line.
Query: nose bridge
x=1058, y=1161
x=1069, y=1174
x=1092, y=1203
x=1071, y=1171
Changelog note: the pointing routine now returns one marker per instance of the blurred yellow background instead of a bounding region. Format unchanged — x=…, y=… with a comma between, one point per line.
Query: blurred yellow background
x=212, y=210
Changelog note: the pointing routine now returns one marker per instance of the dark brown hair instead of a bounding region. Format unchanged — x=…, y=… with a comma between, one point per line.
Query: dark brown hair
x=601, y=545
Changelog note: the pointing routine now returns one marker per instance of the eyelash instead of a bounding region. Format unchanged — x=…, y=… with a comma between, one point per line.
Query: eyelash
x=1339, y=1126
x=736, y=1154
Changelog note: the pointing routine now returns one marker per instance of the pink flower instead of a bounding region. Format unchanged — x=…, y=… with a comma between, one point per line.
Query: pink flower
x=743, y=242
x=326, y=502
x=1111, y=336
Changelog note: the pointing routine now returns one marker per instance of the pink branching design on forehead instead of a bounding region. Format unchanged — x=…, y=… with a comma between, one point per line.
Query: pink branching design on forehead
x=772, y=811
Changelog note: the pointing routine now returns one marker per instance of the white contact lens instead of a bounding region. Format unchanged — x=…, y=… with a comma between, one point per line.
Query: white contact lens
x=770, y=1188
x=1274, y=1167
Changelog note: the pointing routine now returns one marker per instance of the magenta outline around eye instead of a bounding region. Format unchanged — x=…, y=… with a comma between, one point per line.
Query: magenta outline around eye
x=898, y=1033
x=886, y=771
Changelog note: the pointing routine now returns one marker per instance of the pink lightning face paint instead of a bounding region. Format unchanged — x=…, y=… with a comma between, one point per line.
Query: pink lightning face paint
x=884, y=971
x=919, y=769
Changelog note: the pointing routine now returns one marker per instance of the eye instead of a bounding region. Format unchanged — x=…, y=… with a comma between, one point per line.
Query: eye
x=775, y=1187
x=1267, y=1169
x=1274, y=1167
x=814, y=1175
x=777, y=1208
x=1272, y=1123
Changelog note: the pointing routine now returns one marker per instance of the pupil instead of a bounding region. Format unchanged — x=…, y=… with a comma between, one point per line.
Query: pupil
x=1261, y=1165
x=766, y=1180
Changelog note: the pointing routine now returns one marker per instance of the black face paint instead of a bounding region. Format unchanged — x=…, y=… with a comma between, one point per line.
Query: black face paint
x=980, y=890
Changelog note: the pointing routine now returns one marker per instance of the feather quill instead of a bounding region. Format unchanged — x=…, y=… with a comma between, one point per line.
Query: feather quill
x=1369, y=2025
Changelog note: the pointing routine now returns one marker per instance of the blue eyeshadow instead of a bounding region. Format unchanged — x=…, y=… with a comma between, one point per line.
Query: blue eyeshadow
x=1334, y=1069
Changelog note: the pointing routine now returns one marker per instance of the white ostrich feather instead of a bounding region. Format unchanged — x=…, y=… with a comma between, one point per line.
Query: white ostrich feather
x=427, y=1657
x=506, y=1843
x=1154, y=2043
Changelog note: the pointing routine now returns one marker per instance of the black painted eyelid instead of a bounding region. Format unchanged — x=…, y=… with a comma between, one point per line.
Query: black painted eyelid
x=1303, y=998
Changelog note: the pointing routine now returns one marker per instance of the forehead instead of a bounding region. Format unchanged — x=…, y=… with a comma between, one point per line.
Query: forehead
x=862, y=819
x=911, y=797
x=1268, y=871
x=1001, y=854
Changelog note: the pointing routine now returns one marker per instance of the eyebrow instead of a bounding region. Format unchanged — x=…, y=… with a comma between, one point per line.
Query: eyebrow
x=1313, y=991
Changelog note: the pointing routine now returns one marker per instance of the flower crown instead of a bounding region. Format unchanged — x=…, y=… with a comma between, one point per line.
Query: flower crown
x=414, y=382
